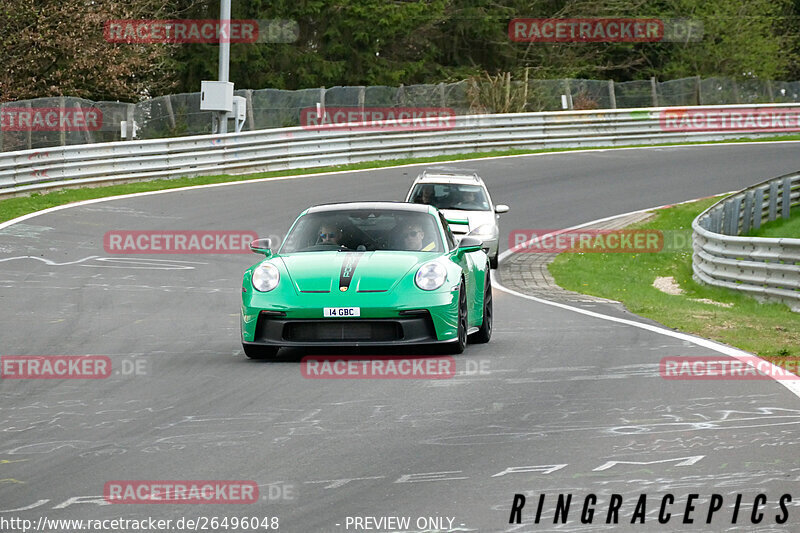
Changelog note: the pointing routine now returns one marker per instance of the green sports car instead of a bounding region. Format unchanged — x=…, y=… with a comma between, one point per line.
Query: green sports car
x=367, y=274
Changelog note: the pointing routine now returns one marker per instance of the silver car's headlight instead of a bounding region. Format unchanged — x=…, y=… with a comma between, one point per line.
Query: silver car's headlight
x=265, y=277
x=484, y=230
x=430, y=276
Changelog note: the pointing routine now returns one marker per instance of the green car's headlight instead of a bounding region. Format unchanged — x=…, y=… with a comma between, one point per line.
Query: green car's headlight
x=265, y=277
x=430, y=276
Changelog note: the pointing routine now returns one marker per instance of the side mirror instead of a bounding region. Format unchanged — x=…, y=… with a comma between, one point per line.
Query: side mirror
x=501, y=208
x=469, y=244
x=261, y=246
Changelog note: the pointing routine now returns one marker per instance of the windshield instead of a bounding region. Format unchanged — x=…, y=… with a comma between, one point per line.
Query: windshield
x=364, y=230
x=451, y=196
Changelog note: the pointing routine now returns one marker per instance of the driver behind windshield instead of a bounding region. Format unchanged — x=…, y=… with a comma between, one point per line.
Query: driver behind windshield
x=329, y=234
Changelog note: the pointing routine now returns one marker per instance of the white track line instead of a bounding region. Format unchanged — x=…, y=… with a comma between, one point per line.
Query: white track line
x=747, y=358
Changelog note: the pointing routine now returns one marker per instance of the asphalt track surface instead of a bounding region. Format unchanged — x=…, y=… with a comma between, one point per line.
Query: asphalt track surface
x=564, y=403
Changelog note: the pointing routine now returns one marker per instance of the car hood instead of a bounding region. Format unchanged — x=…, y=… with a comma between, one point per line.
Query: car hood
x=326, y=271
x=476, y=218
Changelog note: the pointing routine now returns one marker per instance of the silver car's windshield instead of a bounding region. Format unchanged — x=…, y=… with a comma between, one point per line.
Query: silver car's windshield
x=364, y=230
x=451, y=196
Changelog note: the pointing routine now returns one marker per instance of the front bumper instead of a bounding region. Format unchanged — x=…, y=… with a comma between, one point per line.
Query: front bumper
x=279, y=331
x=386, y=319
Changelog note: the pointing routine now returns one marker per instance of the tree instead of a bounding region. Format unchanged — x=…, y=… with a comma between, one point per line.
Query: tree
x=57, y=48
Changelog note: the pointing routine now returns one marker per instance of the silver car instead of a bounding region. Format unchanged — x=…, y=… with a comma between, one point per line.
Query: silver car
x=461, y=194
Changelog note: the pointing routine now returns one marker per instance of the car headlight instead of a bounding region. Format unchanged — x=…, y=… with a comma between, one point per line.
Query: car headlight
x=265, y=277
x=430, y=276
x=487, y=230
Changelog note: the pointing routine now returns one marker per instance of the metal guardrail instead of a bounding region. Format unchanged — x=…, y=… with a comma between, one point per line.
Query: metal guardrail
x=768, y=269
x=298, y=147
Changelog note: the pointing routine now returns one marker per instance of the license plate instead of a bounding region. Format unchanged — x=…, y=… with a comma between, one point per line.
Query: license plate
x=339, y=312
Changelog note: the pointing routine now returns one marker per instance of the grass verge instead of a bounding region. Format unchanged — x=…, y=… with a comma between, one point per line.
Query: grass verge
x=15, y=207
x=771, y=331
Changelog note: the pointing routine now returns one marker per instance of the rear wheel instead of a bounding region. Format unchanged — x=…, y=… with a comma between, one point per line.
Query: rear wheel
x=460, y=344
x=493, y=261
x=485, y=332
x=256, y=351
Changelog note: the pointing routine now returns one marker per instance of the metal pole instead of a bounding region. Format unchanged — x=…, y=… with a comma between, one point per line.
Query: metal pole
x=224, y=53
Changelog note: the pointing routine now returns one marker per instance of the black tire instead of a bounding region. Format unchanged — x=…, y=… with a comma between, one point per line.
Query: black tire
x=484, y=334
x=463, y=323
x=257, y=351
x=493, y=262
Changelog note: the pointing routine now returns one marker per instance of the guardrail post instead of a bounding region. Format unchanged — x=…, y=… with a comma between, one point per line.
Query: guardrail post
x=612, y=96
x=786, y=196
x=733, y=221
x=716, y=221
x=727, y=218
x=758, y=207
x=773, y=201
x=747, y=216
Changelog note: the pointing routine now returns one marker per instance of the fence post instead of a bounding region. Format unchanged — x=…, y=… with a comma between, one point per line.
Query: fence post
x=770, y=92
x=507, y=106
x=654, y=90
x=569, y=94
x=250, y=115
x=786, y=195
x=362, y=96
x=87, y=135
x=130, y=118
x=442, y=98
x=736, y=92
x=62, y=134
x=697, y=87
x=28, y=140
x=322, y=104
x=170, y=114
x=612, y=96
x=525, y=92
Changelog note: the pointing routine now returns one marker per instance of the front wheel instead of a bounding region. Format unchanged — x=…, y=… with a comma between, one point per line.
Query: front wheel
x=460, y=344
x=485, y=332
x=257, y=351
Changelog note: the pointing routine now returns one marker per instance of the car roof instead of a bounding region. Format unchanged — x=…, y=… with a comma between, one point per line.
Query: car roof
x=387, y=206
